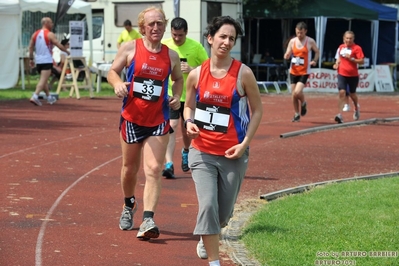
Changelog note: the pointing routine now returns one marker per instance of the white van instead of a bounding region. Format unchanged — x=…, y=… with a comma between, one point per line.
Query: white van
x=108, y=18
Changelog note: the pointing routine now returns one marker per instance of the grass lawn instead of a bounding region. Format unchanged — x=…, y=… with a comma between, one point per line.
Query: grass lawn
x=18, y=93
x=343, y=223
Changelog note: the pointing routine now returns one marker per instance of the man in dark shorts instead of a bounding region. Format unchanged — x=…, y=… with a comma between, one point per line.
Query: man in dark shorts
x=299, y=50
x=42, y=42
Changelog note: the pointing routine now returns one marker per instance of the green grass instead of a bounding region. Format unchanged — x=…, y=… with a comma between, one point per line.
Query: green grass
x=18, y=93
x=327, y=221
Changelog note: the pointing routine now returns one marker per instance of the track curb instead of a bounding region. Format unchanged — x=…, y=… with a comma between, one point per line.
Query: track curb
x=335, y=126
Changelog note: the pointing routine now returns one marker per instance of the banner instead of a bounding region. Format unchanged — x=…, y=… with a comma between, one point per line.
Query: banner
x=76, y=30
x=62, y=8
x=326, y=80
x=383, y=79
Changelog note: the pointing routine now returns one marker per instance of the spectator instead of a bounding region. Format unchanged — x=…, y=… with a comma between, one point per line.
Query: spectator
x=127, y=34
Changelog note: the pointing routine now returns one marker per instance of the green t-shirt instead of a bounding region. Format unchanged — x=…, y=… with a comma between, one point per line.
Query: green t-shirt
x=128, y=36
x=195, y=54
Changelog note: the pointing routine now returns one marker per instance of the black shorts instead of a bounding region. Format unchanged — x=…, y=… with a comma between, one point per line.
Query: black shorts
x=133, y=133
x=176, y=114
x=347, y=83
x=40, y=67
x=295, y=79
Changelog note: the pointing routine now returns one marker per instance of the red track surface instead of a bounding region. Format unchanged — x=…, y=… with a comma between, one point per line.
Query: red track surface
x=61, y=197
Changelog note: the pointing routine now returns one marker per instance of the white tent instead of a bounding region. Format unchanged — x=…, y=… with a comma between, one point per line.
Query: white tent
x=11, y=43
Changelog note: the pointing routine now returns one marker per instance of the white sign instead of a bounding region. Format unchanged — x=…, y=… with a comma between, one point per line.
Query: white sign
x=76, y=38
x=383, y=78
x=326, y=80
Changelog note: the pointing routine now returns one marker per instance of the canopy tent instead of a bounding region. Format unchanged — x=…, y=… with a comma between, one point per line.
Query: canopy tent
x=320, y=10
x=385, y=28
x=11, y=12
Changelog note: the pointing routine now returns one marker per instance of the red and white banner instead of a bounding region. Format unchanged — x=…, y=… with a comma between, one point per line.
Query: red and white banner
x=325, y=80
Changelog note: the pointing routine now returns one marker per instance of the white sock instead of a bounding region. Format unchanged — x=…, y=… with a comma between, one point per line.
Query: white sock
x=35, y=96
x=214, y=263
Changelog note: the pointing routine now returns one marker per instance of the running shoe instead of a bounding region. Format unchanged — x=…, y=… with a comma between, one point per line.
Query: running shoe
x=35, y=101
x=201, y=251
x=51, y=99
x=356, y=114
x=148, y=229
x=296, y=118
x=184, y=161
x=169, y=171
x=304, y=109
x=339, y=119
x=346, y=108
x=126, y=220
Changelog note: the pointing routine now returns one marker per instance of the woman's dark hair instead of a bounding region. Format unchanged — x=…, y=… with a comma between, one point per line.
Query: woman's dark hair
x=218, y=22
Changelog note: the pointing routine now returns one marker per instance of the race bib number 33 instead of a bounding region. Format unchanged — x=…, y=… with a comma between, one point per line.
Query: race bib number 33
x=212, y=117
x=147, y=89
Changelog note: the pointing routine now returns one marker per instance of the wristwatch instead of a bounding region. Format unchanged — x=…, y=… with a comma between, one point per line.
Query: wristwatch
x=186, y=121
x=352, y=59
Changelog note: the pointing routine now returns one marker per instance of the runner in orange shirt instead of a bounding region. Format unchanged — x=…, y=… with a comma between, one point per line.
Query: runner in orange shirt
x=299, y=50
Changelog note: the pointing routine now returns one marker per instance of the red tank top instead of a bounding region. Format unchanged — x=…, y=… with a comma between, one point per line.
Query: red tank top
x=222, y=114
x=148, y=73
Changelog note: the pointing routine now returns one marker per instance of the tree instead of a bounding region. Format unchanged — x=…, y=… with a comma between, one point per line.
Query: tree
x=262, y=7
x=387, y=1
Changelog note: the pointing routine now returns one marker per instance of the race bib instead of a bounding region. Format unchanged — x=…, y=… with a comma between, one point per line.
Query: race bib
x=297, y=60
x=147, y=89
x=345, y=51
x=212, y=117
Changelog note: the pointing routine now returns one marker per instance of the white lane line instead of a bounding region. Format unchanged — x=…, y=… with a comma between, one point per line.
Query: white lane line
x=39, y=242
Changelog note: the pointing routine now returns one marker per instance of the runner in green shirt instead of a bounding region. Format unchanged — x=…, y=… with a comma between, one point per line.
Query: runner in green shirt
x=192, y=54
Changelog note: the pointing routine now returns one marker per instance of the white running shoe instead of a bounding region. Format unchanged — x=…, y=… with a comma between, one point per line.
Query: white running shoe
x=201, y=251
x=346, y=108
x=51, y=99
x=35, y=101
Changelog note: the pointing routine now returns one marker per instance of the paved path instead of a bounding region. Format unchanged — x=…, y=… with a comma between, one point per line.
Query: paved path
x=61, y=196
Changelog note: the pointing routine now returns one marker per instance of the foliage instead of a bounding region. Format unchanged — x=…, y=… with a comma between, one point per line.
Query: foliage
x=262, y=7
x=387, y=1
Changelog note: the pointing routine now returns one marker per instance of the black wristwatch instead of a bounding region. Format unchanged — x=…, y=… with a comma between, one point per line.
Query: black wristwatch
x=187, y=120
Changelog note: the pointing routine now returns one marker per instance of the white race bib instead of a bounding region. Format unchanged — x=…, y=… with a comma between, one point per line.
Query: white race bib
x=212, y=117
x=147, y=89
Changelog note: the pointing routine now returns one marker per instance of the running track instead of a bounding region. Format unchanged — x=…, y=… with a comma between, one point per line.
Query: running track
x=60, y=191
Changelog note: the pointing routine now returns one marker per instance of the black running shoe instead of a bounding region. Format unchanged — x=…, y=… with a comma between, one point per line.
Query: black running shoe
x=304, y=109
x=296, y=118
x=169, y=171
x=339, y=119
